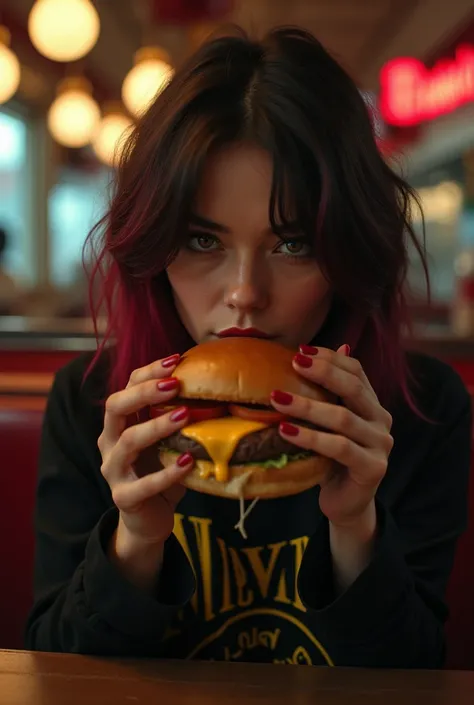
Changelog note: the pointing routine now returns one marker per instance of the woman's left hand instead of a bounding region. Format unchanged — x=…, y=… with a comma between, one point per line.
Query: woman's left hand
x=359, y=440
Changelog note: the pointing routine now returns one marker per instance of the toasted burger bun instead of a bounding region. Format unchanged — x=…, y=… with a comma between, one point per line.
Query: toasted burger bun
x=244, y=370
x=251, y=482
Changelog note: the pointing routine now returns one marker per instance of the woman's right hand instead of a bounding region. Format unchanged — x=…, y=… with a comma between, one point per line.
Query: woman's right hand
x=147, y=503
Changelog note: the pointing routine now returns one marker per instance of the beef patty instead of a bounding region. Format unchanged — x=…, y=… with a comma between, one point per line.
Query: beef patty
x=255, y=447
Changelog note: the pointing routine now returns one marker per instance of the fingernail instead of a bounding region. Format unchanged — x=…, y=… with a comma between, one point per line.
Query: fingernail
x=179, y=414
x=308, y=350
x=347, y=350
x=170, y=361
x=303, y=360
x=167, y=385
x=288, y=429
x=281, y=397
x=184, y=460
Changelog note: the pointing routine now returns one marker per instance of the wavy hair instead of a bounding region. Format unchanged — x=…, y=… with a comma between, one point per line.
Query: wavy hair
x=289, y=96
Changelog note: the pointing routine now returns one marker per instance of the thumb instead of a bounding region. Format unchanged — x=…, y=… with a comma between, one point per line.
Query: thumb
x=344, y=350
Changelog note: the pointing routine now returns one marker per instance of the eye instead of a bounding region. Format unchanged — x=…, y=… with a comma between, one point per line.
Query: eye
x=203, y=243
x=294, y=248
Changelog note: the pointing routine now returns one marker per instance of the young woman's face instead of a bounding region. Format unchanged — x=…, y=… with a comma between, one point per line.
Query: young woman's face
x=235, y=272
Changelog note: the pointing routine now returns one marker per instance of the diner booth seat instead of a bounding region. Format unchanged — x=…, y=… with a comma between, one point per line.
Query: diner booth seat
x=460, y=596
x=20, y=430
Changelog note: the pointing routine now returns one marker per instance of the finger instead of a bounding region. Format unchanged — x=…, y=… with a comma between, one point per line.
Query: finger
x=156, y=370
x=335, y=418
x=135, y=438
x=131, y=400
x=341, y=358
x=127, y=495
x=174, y=494
x=366, y=468
x=350, y=387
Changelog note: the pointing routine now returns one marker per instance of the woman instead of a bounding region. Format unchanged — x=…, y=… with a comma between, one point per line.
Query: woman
x=252, y=194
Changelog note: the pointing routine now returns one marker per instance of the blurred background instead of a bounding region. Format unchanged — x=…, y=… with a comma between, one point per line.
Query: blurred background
x=74, y=74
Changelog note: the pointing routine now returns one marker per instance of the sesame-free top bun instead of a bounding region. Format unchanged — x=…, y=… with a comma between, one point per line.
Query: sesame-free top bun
x=242, y=370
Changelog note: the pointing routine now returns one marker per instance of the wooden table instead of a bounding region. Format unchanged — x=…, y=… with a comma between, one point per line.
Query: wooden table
x=56, y=679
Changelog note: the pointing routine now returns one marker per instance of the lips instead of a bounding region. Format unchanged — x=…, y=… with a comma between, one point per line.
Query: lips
x=242, y=333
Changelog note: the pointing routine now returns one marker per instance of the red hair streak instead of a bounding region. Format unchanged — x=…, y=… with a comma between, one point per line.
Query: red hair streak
x=328, y=177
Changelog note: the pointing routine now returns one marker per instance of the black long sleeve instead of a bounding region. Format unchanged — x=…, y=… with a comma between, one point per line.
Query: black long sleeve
x=268, y=597
x=82, y=603
x=393, y=614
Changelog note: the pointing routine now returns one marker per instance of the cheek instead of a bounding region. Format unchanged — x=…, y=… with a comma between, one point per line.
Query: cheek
x=192, y=299
x=306, y=297
x=186, y=290
x=188, y=272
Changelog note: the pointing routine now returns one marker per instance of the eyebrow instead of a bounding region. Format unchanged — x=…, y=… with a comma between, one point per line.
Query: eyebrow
x=200, y=222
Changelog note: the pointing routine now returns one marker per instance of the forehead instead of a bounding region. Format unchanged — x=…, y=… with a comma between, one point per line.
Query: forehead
x=236, y=183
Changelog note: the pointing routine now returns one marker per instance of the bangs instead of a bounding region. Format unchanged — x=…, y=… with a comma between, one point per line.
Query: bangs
x=330, y=185
x=172, y=164
x=296, y=199
x=158, y=227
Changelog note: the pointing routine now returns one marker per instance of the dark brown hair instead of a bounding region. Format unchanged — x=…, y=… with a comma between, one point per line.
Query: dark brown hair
x=288, y=95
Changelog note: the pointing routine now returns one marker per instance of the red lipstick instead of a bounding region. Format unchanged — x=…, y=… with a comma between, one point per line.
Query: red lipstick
x=242, y=333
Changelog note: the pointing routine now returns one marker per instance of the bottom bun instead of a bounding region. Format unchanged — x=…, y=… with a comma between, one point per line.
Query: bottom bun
x=252, y=481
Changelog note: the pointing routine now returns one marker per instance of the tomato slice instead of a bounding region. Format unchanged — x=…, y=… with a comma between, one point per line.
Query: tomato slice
x=199, y=410
x=256, y=414
x=205, y=410
x=156, y=411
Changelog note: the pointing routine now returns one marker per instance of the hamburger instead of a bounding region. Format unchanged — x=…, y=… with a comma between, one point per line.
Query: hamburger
x=233, y=431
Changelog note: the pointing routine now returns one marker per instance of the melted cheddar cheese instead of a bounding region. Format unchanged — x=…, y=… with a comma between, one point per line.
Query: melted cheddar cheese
x=220, y=438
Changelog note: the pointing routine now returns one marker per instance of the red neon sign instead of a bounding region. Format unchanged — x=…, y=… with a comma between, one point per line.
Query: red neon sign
x=411, y=93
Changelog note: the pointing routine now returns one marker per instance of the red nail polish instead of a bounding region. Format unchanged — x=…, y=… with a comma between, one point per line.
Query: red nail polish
x=289, y=429
x=184, y=460
x=347, y=350
x=303, y=360
x=167, y=385
x=308, y=350
x=281, y=397
x=170, y=361
x=179, y=414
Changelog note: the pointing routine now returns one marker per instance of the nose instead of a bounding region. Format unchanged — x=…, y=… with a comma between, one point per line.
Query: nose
x=247, y=288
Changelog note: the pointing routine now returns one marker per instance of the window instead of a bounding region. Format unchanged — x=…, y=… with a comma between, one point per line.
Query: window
x=76, y=203
x=15, y=191
x=441, y=192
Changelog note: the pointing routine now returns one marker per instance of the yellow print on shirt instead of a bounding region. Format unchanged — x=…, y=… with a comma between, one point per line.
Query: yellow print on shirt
x=249, y=598
x=249, y=640
x=246, y=576
x=236, y=648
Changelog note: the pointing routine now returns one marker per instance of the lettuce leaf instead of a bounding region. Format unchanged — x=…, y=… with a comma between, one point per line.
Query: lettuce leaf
x=279, y=462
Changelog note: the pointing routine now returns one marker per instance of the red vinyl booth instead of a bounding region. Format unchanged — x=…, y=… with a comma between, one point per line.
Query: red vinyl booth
x=20, y=430
x=460, y=626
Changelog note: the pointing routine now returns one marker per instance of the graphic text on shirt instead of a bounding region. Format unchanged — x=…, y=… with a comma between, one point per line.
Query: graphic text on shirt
x=246, y=606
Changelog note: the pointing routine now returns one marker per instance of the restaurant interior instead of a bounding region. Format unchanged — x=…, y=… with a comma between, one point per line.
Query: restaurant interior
x=74, y=77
